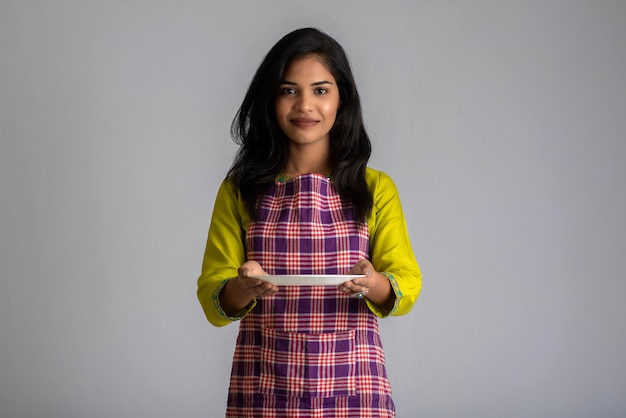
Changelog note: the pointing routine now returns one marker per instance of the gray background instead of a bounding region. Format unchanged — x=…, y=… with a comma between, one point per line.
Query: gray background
x=502, y=122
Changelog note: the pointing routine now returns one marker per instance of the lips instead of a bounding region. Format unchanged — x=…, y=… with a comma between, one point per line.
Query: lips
x=304, y=122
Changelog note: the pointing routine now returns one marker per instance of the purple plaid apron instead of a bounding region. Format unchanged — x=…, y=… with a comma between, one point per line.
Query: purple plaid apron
x=308, y=351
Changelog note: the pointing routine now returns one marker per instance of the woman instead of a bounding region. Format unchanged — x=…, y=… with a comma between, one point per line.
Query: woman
x=299, y=199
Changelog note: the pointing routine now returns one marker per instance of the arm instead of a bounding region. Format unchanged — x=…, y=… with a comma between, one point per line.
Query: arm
x=390, y=247
x=224, y=254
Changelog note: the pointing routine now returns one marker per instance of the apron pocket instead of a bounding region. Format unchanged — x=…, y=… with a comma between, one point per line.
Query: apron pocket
x=308, y=365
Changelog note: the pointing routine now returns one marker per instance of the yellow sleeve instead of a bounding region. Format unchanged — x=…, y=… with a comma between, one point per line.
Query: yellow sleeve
x=224, y=254
x=390, y=247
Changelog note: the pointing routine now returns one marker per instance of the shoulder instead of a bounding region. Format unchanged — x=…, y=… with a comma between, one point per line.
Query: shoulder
x=228, y=190
x=380, y=184
x=229, y=208
x=229, y=201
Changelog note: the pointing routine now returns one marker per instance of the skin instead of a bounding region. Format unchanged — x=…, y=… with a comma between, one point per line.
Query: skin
x=306, y=107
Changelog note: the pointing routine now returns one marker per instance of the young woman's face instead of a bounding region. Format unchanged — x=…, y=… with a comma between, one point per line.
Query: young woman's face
x=307, y=101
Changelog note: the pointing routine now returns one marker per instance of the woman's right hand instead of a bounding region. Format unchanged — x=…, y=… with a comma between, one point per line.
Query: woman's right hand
x=241, y=290
x=253, y=286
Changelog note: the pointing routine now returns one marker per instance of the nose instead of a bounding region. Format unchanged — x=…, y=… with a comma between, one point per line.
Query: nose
x=303, y=103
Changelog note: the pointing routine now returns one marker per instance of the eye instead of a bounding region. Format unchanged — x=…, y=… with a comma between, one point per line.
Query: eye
x=287, y=91
x=321, y=90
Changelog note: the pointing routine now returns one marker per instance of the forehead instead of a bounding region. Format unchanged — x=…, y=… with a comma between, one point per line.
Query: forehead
x=308, y=67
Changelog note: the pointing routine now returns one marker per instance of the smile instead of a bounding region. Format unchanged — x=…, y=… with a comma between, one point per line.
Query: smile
x=304, y=122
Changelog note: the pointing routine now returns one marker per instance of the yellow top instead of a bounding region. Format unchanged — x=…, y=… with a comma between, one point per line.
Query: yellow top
x=390, y=248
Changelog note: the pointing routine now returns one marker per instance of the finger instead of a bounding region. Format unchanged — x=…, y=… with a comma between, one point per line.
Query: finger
x=357, y=267
x=360, y=293
x=358, y=282
x=249, y=283
x=266, y=291
x=344, y=288
x=364, y=264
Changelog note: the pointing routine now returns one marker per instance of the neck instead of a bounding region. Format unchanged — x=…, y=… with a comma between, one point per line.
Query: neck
x=304, y=161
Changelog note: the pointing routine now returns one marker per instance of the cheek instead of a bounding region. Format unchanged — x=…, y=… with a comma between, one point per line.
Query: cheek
x=278, y=109
x=330, y=110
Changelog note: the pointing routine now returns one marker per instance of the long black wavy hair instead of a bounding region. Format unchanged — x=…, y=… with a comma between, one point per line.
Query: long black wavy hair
x=263, y=146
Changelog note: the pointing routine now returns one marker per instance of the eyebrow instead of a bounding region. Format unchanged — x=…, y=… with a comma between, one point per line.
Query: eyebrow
x=317, y=83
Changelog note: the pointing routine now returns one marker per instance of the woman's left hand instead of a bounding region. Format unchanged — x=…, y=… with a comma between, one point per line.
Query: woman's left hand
x=374, y=286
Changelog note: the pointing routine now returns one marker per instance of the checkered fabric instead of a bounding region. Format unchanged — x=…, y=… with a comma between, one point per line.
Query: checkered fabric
x=308, y=351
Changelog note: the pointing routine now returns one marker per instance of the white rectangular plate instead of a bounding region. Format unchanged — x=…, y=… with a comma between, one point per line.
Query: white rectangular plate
x=308, y=279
